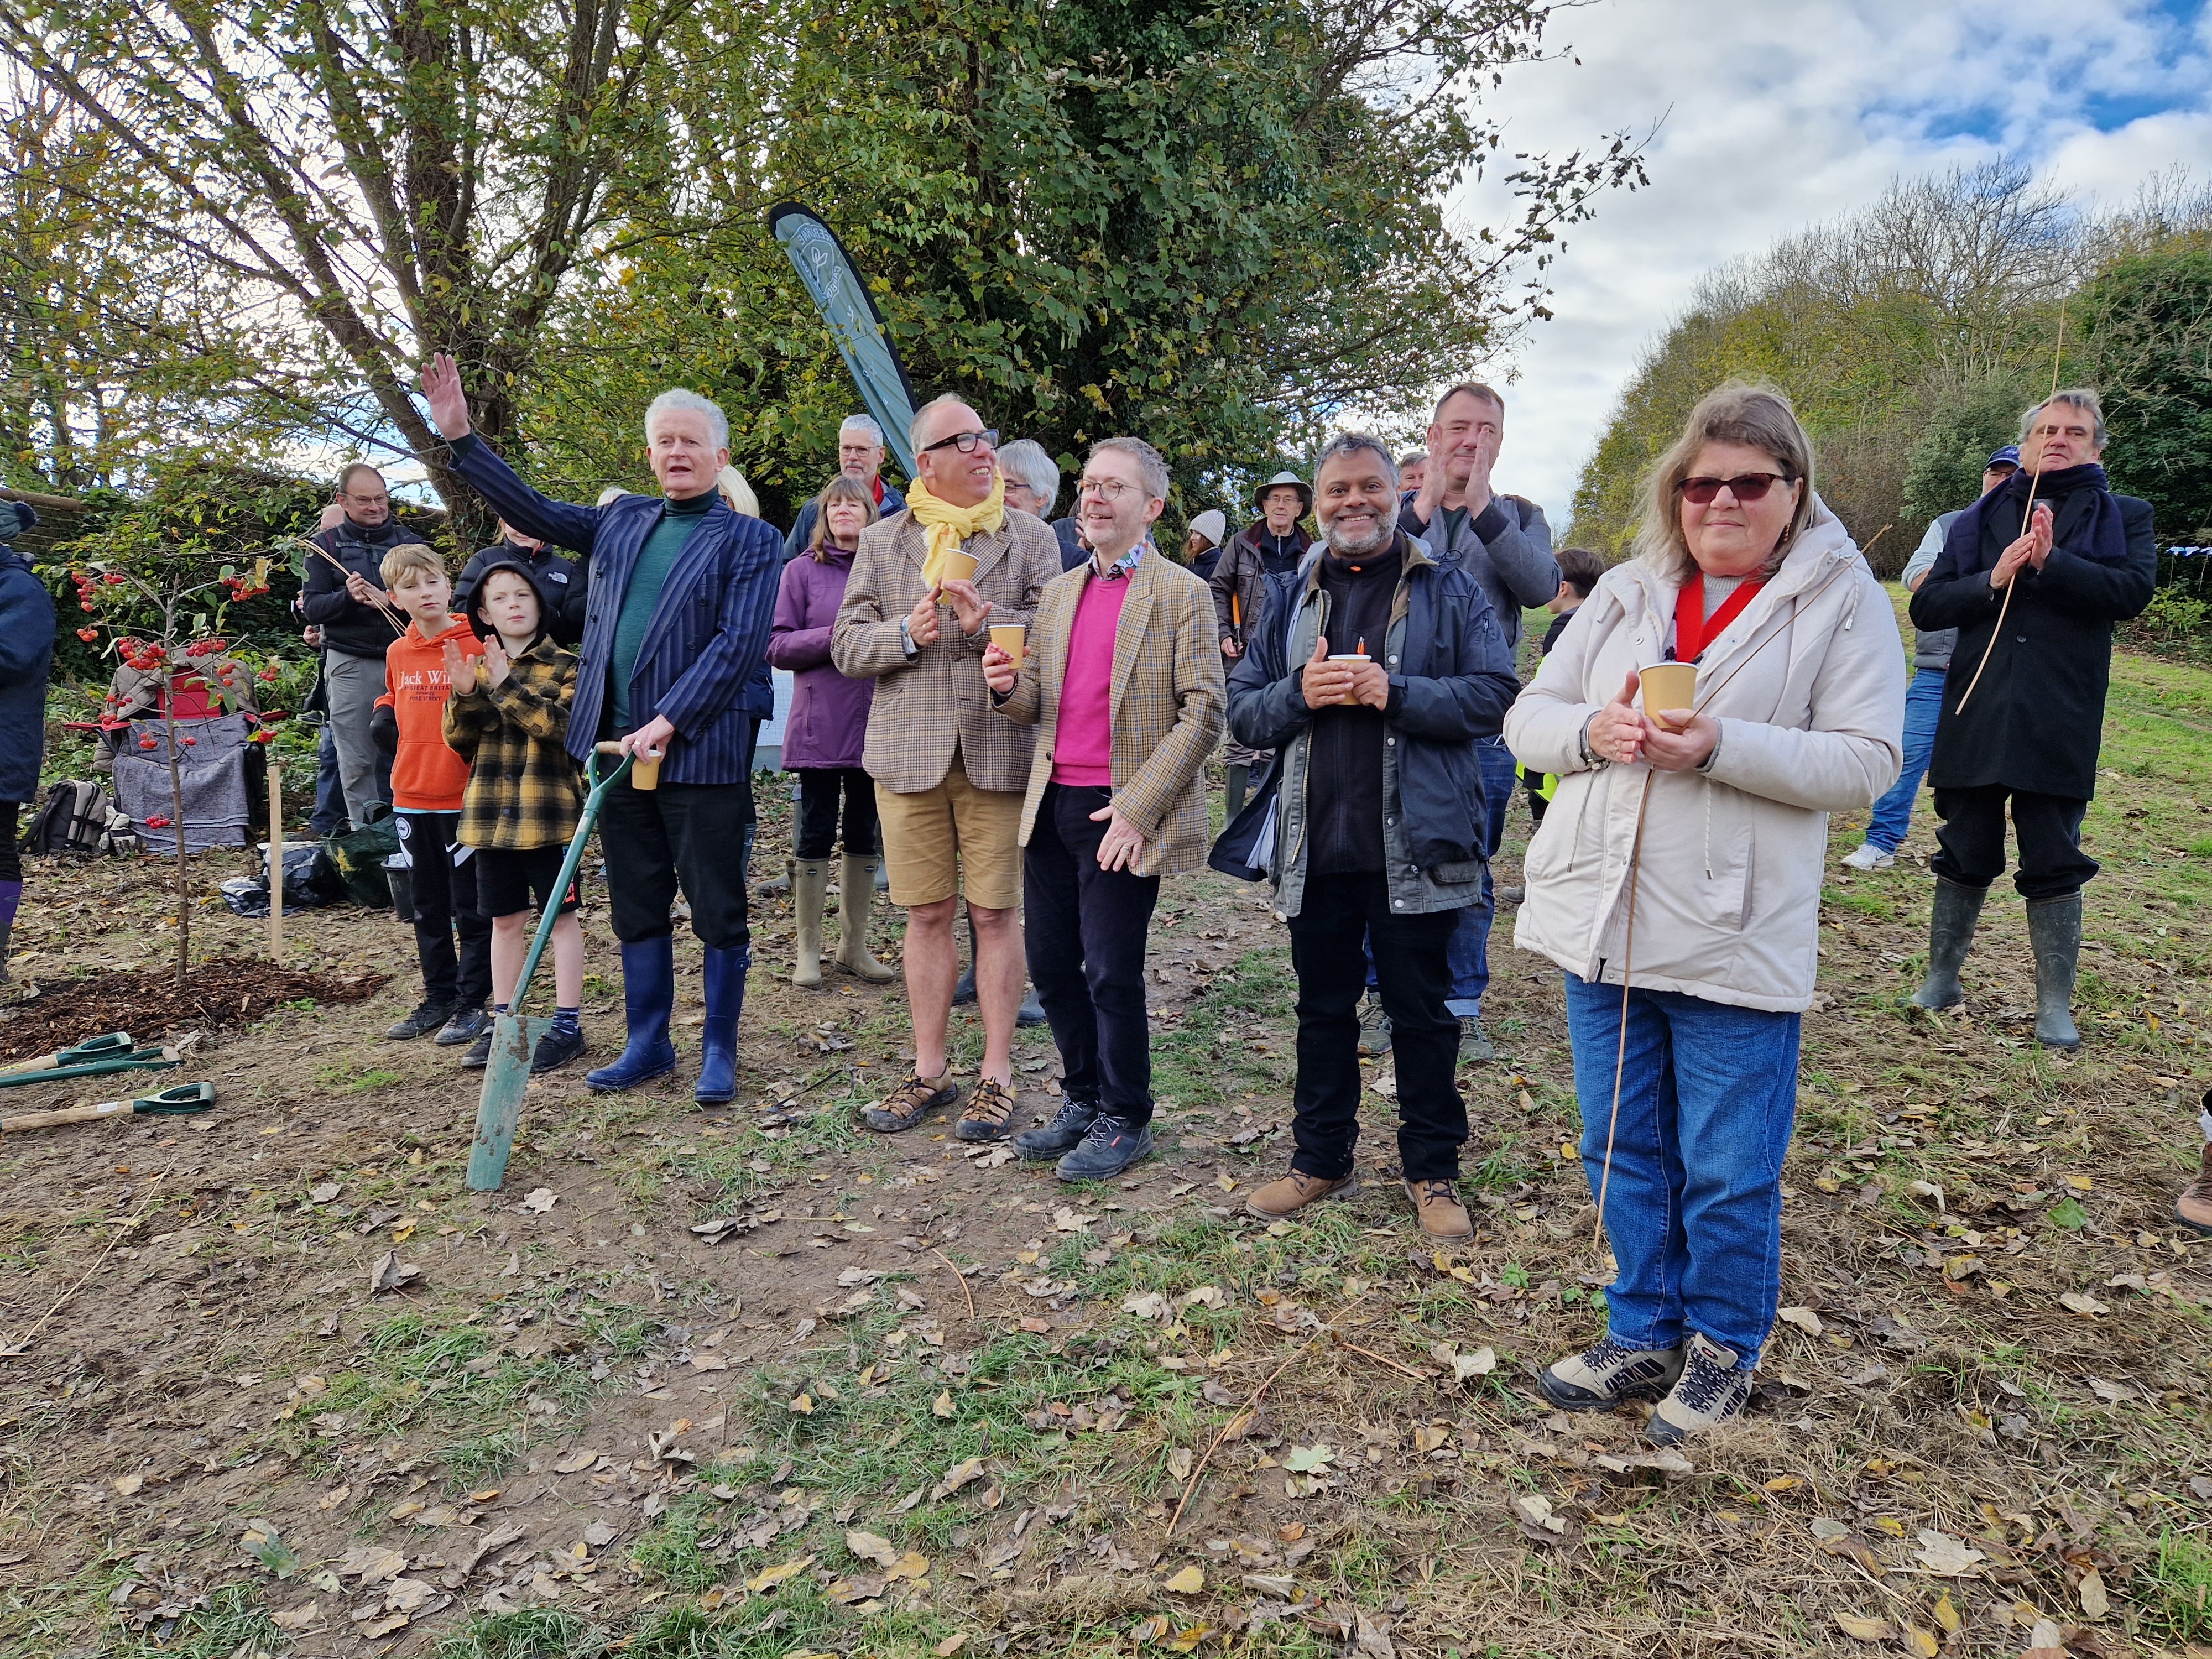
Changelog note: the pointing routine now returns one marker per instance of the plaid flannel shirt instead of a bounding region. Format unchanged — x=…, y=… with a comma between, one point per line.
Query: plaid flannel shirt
x=523, y=791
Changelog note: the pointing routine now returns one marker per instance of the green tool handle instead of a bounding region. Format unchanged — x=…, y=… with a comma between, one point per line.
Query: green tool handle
x=114, y=1043
x=598, y=788
x=143, y=1059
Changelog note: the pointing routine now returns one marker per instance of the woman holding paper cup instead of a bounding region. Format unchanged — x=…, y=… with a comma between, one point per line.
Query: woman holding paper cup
x=1724, y=691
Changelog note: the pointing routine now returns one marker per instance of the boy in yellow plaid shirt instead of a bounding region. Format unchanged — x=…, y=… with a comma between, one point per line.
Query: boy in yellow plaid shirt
x=508, y=715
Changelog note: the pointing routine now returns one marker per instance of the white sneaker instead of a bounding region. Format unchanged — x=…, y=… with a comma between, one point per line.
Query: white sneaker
x=1870, y=857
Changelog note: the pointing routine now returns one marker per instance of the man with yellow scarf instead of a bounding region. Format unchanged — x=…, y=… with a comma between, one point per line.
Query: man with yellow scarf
x=927, y=586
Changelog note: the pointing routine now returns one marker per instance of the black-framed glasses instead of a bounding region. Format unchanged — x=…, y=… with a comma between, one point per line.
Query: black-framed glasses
x=965, y=442
x=1745, y=487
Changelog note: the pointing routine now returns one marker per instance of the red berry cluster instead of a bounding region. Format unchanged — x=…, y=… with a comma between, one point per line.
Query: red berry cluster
x=242, y=587
x=142, y=654
x=86, y=590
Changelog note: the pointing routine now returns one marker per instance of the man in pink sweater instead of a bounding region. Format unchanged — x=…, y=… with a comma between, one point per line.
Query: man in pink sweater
x=1123, y=673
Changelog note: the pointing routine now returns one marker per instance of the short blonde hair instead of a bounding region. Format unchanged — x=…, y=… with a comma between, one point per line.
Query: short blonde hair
x=410, y=556
x=1756, y=417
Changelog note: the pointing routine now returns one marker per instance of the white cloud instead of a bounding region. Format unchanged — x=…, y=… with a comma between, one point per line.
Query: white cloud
x=1779, y=116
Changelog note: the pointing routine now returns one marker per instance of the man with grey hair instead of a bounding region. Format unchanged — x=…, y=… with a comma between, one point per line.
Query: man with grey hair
x=679, y=592
x=860, y=455
x=2024, y=707
x=1412, y=471
x=1375, y=670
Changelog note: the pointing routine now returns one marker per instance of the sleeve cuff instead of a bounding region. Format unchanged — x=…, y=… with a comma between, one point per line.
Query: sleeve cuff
x=1494, y=522
x=465, y=445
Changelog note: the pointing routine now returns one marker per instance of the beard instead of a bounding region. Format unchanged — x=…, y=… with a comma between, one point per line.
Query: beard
x=1370, y=537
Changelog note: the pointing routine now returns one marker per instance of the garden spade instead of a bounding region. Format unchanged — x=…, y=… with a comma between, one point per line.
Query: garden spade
x=99, y=1048
x=514, y=1037
x=99, y=1064
x=182, y=1100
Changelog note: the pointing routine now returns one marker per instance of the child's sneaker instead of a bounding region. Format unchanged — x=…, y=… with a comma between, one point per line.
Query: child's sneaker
x=557, y=1048
x=1712, y=1389
x=1608, y=1375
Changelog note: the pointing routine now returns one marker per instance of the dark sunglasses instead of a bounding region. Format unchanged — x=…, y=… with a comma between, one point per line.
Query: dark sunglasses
x=965, y=442
x=1749, y=487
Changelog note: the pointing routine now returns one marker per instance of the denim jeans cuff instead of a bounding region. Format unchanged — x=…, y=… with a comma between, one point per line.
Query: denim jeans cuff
x=1463, y=1008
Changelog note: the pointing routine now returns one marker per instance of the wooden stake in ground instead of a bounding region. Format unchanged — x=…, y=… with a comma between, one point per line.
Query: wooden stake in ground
x=276, y=862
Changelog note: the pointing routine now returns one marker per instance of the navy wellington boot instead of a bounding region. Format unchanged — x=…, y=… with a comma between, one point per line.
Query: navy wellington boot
x=726, y=1000
x=648, y=997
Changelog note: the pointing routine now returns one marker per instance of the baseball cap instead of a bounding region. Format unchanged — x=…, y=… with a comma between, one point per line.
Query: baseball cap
x=2008, y=456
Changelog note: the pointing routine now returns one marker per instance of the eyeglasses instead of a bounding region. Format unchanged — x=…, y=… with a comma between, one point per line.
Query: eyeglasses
x=965, y=442
x=1748, y=486
x=1107, y=490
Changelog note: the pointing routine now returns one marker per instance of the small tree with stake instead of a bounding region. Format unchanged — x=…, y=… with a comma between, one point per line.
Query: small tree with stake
x=148, y=609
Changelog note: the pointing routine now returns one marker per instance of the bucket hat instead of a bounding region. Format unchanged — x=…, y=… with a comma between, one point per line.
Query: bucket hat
x=1305, y=490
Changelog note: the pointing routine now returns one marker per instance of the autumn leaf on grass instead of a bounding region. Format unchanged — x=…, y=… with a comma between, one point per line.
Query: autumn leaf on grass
x=1148, y=1305
x=541, y=1199
x=1946, y=1556
x=1179, y=1462
x=1862, y=1630
x=803, y=1403
x=2082, y=1303
x=1803, y=1318
x=1427, y=1436
x=943, y=1407
x=912, y=1565
x=1921, y=1643
x=870, y=1547
x=1305, y=1460
x=1188, y=1581
x=2091, y=1589
x=967, y=1469
x=576, y=1461
x=775, y=1576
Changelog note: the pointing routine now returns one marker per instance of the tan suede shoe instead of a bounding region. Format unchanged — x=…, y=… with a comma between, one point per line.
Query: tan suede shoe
x=2194, y=1208
x=1287, y=1194
x=1442, y=1217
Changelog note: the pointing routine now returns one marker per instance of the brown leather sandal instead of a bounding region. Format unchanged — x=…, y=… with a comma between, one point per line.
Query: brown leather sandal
x=909, y=1104
x=989, y=1114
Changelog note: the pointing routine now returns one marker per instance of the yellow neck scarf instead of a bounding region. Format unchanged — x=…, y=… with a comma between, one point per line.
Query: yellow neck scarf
x=949, y=525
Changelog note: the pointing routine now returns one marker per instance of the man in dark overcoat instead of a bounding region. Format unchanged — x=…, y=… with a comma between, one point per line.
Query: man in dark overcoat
x=2024, y=710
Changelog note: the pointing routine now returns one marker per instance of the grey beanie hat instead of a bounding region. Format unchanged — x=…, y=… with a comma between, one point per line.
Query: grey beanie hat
x=1213, y=524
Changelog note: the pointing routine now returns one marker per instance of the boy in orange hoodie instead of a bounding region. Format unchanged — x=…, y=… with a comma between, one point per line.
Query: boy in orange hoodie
x=427, y=782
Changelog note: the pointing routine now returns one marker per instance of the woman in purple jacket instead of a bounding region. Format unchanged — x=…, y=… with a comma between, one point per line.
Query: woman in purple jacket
x=824, y=735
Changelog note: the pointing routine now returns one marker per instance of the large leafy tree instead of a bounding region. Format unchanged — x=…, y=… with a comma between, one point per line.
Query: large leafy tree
x=2147, y=343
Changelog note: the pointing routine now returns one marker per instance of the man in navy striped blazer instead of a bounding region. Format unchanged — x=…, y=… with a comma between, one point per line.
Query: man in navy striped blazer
x=679, y=592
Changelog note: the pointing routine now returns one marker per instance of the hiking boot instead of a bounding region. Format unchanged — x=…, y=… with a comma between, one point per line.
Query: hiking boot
x=1867, y=856
x=1709, y=1390
x=466, y=1025
x=906, y=1105
x=2054, y=931
x=1951, y=919
x=428, y=1017
x=479, y=1054
x=1374, y=1028
x=2194, y=1208
x=1473, y=1046
x=1112, y=1145
x=1441, y=1216
x=557, y=1048
x=1604, y=1376
x=1060, y=1134
x=990, y=1109
x=1287, y=1194
x=1512, y=895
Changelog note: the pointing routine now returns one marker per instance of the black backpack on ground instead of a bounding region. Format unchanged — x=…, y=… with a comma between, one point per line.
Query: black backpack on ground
x=78, y=818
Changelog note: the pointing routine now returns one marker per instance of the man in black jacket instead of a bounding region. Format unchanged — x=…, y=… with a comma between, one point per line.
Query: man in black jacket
x=342, y=602
x=555, y=577
x=2024, y=708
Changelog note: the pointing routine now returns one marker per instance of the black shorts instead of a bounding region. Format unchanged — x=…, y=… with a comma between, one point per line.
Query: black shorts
x=508, y=882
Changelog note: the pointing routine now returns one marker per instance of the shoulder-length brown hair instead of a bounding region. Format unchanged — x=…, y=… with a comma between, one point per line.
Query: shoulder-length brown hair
x=838, y=489
x=1757, y=417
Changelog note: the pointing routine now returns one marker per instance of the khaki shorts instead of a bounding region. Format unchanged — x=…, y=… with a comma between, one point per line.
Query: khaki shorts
x=940, y=842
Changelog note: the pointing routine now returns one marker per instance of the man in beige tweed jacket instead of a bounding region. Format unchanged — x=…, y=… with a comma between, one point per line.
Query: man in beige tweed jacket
x=1122, y=677
x=949, y=772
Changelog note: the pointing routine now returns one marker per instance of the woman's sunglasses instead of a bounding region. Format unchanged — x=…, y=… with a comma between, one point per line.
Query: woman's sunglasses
x=1748, y=487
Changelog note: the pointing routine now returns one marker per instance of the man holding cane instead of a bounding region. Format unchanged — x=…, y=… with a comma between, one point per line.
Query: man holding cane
x=679, y=595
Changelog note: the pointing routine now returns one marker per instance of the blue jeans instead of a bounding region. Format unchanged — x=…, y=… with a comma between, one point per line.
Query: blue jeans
x=1468, y=957
x=1708, y=1095
x=1893, y=813
x=330, y=815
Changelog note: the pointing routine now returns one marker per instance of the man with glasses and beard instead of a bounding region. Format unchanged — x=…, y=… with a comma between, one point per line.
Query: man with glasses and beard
x=949, y=771
x=1376, y=670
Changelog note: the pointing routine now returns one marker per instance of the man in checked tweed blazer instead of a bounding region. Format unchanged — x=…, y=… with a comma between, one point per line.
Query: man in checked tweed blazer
x=948, y=771
x=1122, y=677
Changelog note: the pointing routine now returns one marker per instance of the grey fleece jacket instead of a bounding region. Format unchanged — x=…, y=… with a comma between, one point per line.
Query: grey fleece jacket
x=1508, y=549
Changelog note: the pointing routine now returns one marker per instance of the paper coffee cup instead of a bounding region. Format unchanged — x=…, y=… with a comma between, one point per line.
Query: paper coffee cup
x=1667, y=685
x=1349, y=656
x=645, y=771
x=1013, y=638
x=959, y=566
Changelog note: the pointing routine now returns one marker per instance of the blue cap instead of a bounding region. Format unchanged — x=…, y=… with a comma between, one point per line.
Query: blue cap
x=2008, y=456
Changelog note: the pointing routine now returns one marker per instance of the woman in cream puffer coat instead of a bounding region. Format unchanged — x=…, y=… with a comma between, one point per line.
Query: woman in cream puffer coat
x=1798, y=714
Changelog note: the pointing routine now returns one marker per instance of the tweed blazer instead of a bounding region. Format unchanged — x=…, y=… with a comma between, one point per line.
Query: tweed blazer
x=924, y=708
x=1167, y=704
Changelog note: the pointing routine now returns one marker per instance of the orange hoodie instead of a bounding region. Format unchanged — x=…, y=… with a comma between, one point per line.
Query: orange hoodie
x=426, y=775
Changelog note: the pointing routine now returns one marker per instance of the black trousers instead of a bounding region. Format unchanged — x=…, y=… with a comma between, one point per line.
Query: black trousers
x=2048, y=828
x=445, y=902
x=1085, y=929
x=11, y=855
x=1414, y=974
x=691, y=832
x=818, y=789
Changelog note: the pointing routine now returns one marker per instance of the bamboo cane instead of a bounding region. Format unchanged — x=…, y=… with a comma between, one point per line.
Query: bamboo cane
x=276, y=862
x=397, y=621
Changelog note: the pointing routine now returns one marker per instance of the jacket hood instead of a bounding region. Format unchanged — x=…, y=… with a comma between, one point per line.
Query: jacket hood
x=456, y=629
x=1812, y=560
x=519, y=566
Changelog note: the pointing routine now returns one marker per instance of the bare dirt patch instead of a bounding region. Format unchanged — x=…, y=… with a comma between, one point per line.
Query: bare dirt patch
x=220, y=992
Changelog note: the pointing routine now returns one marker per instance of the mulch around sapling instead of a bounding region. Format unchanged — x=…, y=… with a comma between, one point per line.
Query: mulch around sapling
x=149, y=1002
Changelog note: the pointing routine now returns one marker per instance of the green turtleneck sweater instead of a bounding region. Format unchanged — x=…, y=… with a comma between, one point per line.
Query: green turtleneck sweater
x=654, y=562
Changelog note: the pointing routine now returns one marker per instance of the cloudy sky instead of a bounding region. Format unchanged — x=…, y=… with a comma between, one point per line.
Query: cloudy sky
x=1772, y=117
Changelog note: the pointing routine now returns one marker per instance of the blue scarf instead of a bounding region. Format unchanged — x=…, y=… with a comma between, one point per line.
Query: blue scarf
x=2085, y=520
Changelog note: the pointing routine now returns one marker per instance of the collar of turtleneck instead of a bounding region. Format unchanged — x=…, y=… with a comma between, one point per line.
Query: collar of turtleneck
x=691, y=507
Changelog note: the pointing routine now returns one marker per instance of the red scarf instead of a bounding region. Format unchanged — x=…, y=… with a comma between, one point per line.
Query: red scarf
x=1693, y=632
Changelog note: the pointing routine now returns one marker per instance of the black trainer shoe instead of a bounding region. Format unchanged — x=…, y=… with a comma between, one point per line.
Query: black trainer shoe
x=479, y=1054
x=557, y=1048
x=1108, y=1147
x=424, y=1020
x=1609, y=1373
x=466, y=1025
x=1374, y=1028
x=1060, y=1132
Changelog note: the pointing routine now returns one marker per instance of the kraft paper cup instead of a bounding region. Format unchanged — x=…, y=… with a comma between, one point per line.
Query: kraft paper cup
x=1349, y=656
x=1669, y=685
x=1013, y=638
x=645, y=772
x=959, y=566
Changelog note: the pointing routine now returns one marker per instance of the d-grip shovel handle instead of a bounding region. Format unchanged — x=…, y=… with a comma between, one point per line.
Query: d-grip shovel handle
x=184, y=1098
x=645, y=775
x=113, y=1046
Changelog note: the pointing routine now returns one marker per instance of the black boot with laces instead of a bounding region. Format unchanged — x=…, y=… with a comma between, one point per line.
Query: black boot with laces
x=1060, y=1132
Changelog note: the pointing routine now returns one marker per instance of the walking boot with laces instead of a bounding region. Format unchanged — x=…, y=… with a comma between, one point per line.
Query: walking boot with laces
x=1060, y=1132
x=1441, y=1216
x=1602, y=1377
x=1950, y=921
x=856, y=894
x=1710, y=1389
x=1287, y=1194
x=2054, y=931
x=2193, y=1208
x=1112, y=1145
x=648, y=998
x=810, y=892
x=724, y=976
x=1374, y=1027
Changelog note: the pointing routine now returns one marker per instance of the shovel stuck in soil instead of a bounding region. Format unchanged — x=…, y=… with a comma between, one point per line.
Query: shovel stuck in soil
x=182, y=1100
x=514, y=1037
